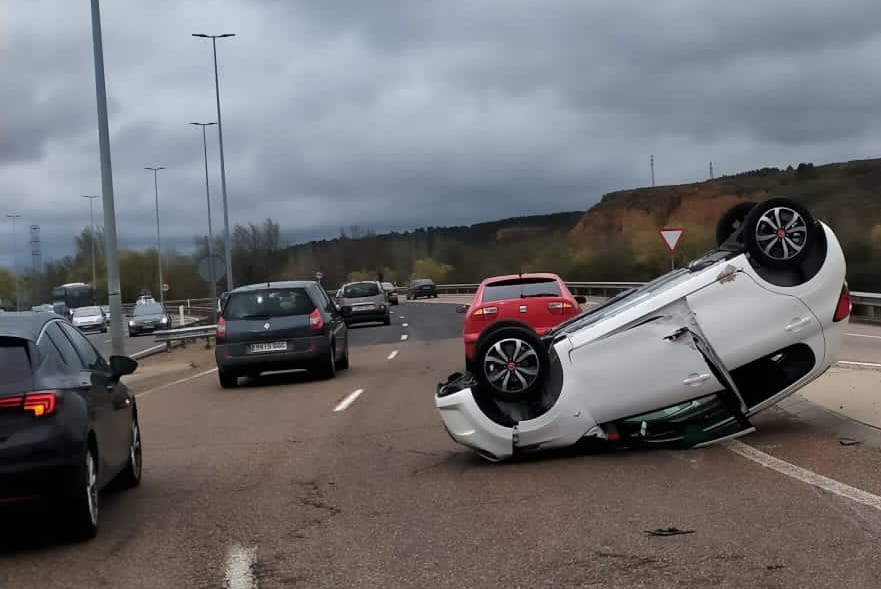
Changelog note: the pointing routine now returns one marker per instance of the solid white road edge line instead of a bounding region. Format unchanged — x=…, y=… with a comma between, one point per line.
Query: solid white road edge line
x=404, y=337
x=804, y=475
x=350, y=398
x=239, y=569
x=405, y=324
x=177, y=382
x=854, y=363
x=393, y=355
x=863, y=335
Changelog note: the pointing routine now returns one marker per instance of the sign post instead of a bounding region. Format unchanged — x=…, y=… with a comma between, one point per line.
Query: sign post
x=671, y=236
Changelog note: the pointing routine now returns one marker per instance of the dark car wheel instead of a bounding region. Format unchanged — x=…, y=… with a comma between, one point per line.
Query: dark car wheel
x=387, y=320
x=83, y=501
x=779, y=233
x=510, y=362
x=326, y=367
x=344, y=361
x=731, y=221
x=228, y=380
x=131, y=475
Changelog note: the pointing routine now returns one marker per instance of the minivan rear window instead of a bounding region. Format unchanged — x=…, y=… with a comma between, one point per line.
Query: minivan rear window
x=15, y=366
x=521, y=288
x=274, y=302
x=361, y=289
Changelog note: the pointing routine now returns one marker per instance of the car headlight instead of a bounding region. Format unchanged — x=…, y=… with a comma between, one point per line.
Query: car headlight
x=131, y=323
x=382, y=307
x=164, y=320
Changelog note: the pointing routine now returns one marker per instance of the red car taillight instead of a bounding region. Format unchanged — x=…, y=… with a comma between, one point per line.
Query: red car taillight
x=316, y=321
x=561, y=307
x=842, y=311
x=485, y=313
x=40, y=403
x=221, y=329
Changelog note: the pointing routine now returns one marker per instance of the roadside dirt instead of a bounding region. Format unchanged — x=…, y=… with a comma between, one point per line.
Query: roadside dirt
x=166, y=367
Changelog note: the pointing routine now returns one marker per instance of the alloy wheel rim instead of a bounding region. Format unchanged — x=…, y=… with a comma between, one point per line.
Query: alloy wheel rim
x=135, y=450
x=92, y=487
x=511, y=365
x=781, y=233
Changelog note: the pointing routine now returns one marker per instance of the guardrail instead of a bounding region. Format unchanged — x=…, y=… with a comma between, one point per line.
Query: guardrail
x=866, y=305
x=185, y=334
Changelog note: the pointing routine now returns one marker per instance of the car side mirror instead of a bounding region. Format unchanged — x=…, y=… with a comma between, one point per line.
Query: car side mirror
x=580, y=299
x=122, y=365
x=462, y=309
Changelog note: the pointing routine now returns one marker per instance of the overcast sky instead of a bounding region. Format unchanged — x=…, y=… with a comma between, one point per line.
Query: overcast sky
x=405, y=113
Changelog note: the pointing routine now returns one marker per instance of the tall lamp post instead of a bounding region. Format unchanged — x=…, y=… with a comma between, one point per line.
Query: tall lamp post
x=15, y=262
x=211, y=277
x=92, y=197
x=227, y=248
x=158, y=240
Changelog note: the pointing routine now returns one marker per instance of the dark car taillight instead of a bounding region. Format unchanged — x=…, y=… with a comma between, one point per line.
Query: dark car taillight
x=316, y=321
x=221, y=329
x=40, y=403
x=842, y=311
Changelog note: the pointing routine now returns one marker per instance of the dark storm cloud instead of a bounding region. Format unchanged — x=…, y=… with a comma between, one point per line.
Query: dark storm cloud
x=399, y=113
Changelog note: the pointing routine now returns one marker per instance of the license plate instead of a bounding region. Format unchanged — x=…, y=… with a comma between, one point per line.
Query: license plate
x=270, y=347
x=365, y=308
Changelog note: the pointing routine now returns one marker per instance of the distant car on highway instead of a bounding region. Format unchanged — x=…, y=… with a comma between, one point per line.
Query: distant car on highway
x=391, y=292
x=422, y=287
x=279, y=326
x=538, y=300
x=68, y=426
x=148, y=317
x=364, y=302
x=106, y=310
x=89, y=319
x=43, y=309
x=684, y=360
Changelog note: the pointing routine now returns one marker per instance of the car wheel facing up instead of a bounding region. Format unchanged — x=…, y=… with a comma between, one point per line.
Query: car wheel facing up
x=511, y=362
x=779, y=233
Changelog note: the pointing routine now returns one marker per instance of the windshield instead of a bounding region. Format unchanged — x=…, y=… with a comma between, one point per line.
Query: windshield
x=521, y=288
x=388, y=286
x=360, y=289
x=148, y=309
x=281, y=302
x=87, y=312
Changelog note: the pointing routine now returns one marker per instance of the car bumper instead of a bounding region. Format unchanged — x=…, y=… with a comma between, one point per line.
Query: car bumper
x=39, y=461
x=365, y=316
x=90, y=326
x=423, y=293
x=467, y=425
x=302, y=353
x=150, y=328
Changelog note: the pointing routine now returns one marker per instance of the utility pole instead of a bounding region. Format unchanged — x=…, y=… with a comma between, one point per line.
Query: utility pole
x=711, y=170
x=92, y=235
x=652, y=164
x=158, y=239
x=15, y=262
x=113, y=292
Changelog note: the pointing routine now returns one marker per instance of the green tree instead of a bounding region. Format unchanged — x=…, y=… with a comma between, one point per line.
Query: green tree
x=429, y=268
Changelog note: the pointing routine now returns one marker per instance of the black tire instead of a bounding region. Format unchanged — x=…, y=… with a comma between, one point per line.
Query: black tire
x=326, y=367
x=228, y=379
x=343, y=363
x=130, y=476
x=731, y=221
x=494, y=354
x=131, y=333
x=82, y=520
x=387, y=320
x=779, y=233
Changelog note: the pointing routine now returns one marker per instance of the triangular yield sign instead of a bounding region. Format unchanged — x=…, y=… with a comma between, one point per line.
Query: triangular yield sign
x=671, y=237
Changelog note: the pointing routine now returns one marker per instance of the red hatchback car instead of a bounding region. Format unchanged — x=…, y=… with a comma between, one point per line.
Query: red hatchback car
x=539, y=300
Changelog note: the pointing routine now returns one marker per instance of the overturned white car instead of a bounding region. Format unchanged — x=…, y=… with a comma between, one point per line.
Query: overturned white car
x=682, y=361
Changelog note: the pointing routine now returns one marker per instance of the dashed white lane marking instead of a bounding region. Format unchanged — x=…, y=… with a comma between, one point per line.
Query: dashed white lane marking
x=804, y=475
x=110, y=341
x=393, y=355
x=239, y=570
x=405, y=324
x=177, y=382
x=348, y=400
x=863, y=335
x=853, y=363
x=404, y=337
x=401, y=317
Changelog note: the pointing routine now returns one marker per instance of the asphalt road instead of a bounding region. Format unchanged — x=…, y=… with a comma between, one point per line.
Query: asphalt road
x=267, y=486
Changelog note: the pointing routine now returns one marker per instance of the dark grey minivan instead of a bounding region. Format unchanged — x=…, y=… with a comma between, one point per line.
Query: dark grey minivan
x=279, y=326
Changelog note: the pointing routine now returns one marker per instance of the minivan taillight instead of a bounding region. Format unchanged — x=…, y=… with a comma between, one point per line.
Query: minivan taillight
x=316, y=321
x=221, y=329
x=40, y=403
x=843, y=309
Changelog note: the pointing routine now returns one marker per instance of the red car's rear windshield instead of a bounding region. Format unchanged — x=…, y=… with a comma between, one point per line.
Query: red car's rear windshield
x=519, y=288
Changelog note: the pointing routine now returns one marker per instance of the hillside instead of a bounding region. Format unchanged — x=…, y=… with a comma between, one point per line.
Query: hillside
x=847, y=196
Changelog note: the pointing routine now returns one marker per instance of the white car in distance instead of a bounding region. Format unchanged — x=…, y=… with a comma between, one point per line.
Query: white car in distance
x=682, y=361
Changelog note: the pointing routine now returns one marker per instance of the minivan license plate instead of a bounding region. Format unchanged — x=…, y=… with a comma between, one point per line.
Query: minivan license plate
x=270, y=347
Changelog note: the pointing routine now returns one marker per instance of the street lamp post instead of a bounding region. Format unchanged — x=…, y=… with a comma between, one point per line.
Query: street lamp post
x=91, y=197
x=211, y=277
x=158, y=240
x=227, y=248
x=15, y=262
